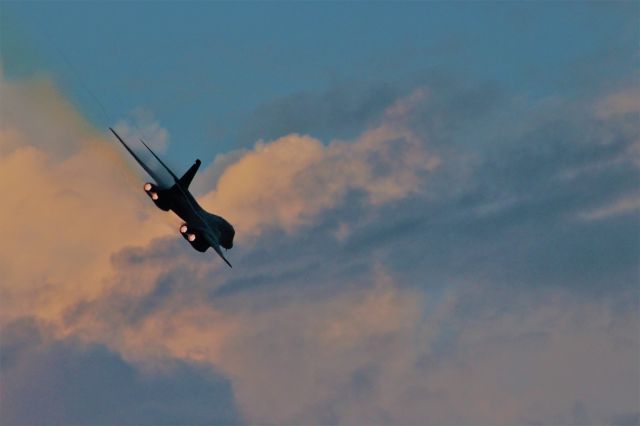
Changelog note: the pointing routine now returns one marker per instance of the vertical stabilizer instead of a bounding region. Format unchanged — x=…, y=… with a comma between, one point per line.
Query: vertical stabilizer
x=186, y=179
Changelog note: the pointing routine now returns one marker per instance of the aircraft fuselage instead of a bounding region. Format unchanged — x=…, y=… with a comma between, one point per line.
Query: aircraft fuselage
x=200, y=228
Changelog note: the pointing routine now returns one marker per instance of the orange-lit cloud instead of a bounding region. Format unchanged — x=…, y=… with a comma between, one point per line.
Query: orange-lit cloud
x=67, y=204
x=625, y=101
x=371, y=349
x=624, y=205
x=76, y=207
x=286, y=183
x=363, y=348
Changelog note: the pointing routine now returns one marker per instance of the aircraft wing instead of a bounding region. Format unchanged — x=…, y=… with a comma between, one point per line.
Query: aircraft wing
x=208, y=232
x=144, y=166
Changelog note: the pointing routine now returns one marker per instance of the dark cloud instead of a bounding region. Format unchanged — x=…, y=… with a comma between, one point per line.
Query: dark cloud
x=510, y=239
x=517, y=213
x=630, y=419
x=512, y=216
x=64, y=382
x=339, y=112
x=328, y=321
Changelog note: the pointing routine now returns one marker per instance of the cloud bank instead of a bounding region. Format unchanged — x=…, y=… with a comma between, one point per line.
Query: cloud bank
x=388, y=278
x=286, y=183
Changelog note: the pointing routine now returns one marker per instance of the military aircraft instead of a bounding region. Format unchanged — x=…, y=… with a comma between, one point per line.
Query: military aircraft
x=200, y=228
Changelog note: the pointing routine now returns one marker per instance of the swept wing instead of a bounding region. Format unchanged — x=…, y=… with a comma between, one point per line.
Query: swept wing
x=144, y=166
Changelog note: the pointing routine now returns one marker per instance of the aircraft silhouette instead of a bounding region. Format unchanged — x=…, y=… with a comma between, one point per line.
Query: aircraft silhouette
x=201, y=228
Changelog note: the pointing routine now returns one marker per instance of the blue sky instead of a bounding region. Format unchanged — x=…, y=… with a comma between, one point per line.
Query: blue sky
x=202, y=69
x=436, y=209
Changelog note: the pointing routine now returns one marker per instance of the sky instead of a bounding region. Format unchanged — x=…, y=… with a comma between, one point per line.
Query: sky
x=436, y=209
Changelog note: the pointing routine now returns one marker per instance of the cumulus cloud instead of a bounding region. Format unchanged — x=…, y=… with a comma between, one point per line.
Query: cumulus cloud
x=63, y=228
x=341, y=111
x=332, y=328
x=286, y=183
x=59, y=221
x=371, y=350
x=62, y=381
x=58, y=129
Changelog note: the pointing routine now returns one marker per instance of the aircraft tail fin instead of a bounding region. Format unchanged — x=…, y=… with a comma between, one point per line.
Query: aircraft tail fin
x=186, y=179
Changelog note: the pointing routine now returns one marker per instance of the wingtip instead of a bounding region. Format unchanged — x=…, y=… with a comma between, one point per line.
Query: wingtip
x=226, y=261
x=216, y=248
x=118, y=137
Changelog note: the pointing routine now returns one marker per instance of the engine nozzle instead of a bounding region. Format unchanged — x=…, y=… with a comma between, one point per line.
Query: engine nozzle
x=184, y=228
x=148, y=187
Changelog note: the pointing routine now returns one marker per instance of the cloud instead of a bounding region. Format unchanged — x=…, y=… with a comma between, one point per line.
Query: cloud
x=626, y=101
x=288, y=182
x=370, y=349
x=59, y=382
x=59, y=221
x=58, y=129
x=373, y=288
x=144, y=126
x=341, y=111
x=58, y=261
x=384, y=354
x=621, y=206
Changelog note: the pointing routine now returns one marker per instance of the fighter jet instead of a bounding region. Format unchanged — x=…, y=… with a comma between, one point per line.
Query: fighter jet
x=200, y=228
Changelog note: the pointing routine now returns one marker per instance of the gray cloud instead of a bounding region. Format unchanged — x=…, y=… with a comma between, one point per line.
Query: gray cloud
x=498, y=306
x=512, y=213
x=339, y=112
x=511, y=216
x=353, y=344
x=484, y=297
x=342, y=110
x=62, y=381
